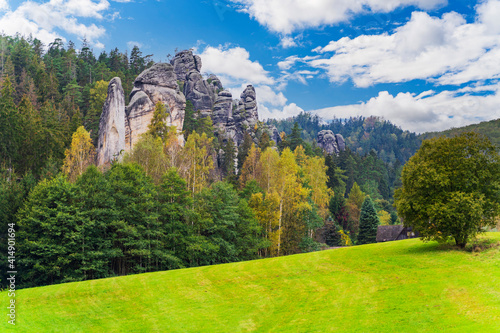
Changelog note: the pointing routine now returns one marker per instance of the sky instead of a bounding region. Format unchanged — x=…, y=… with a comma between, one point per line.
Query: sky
x=424, y=65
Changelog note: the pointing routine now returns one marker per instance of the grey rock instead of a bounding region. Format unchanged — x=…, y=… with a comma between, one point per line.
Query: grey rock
x=184, y=62
x=340, y=142
x=156, y=84
x=111, y=140
x=160, y=74
x=222, y=108
x=331, y=143
x=199, y=91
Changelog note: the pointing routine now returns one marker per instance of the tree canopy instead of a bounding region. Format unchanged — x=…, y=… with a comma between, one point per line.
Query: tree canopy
x=451, y=188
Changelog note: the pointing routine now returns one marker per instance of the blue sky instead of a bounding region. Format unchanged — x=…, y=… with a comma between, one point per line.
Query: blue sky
x=422, y=64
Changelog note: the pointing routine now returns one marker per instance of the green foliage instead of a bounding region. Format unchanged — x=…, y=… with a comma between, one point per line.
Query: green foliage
x=368, y=223
x=190, y=122
x=361, y=135
x=158, y=127
x=243, y=149
x=490, y=129
x=451, y=188
x=295, y=138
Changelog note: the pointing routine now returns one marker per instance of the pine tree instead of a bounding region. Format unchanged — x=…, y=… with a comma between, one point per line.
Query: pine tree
x=368, y=223
x=243, y=149
x=190, y=121
x=9, y=125
x=295, y=138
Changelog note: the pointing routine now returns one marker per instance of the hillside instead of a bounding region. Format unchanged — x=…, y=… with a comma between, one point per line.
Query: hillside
x=489, y=128
x=405, y=286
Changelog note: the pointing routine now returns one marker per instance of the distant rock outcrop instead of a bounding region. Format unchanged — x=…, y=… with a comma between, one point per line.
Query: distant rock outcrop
x=156, y=84
x=111, y=140
x=331, y=143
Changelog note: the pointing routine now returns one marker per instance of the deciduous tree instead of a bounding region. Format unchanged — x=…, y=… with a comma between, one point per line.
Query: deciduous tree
x=451, y=188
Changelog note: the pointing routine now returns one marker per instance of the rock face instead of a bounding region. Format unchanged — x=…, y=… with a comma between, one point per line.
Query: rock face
x=121, y=126
x=331, y=143
x=199, y=92
x=184, y=62
x=156, y=84
x=111, y=139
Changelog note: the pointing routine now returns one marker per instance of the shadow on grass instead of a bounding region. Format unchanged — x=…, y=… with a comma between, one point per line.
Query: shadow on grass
x=476, y=245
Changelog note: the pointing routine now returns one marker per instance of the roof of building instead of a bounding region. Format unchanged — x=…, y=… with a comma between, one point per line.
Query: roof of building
x=387, y=233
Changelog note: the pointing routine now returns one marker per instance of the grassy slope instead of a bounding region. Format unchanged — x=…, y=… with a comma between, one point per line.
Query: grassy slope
x=405, y=286
x=489, y=128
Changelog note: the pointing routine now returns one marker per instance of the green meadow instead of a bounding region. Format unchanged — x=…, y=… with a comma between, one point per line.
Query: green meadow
x=403, y=286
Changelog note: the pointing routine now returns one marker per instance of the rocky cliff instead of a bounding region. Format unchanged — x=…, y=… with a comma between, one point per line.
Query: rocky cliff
x=330, y=142
x=111, y=140
x=156, y=84
x=172, y=84
x=121, y=126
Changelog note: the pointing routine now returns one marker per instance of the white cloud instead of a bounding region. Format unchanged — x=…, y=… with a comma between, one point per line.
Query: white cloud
x=287, y=16
x=132, y=43
x=428, y=111
x=3, y=5
x=45, y=20
x=445, y=50
x=287, y=42
x=233, y=66
x=289, y=110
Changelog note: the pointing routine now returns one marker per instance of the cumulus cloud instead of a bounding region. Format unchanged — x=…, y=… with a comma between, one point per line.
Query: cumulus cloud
x=43, y=20
x=287, y=16
x=445, y=50
x=3, y=5
x=428, y=111
x=287, y=42
x=287, y=111
x=233, y=66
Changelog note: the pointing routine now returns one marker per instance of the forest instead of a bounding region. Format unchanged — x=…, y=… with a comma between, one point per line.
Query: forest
x=168, y=206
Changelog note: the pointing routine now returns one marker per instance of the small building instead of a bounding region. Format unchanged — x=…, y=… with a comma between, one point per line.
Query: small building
x=387, y=233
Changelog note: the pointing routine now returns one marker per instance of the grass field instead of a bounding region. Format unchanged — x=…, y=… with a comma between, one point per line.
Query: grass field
x=404, y=286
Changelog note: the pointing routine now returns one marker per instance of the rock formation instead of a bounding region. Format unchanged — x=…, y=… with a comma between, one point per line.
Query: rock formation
x=111, y=139
x=156, y=84
x=184, y=62
x=331, y=143
x=121, y=127
x=199, y=92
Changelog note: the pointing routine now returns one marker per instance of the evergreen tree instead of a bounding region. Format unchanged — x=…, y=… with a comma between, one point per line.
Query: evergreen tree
x=9, y=126
x=228, y=163
x=190, y=122
x=265, y=141
x=340, y=214
x=295, y=138
x=243, y=149
x=368, y=223
x=158, y=127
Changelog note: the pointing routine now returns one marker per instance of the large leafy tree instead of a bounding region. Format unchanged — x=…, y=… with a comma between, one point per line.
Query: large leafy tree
x=451, y=188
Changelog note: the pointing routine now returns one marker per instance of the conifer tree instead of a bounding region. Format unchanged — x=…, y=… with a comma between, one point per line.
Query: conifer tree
x=368, y=223
x=158, y=127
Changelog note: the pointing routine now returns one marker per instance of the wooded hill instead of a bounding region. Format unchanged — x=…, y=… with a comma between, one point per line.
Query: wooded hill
x=491, y=129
